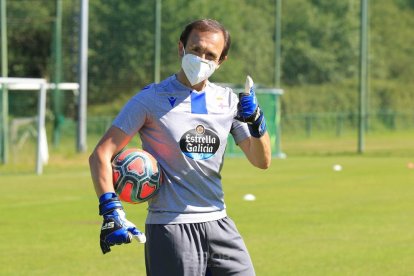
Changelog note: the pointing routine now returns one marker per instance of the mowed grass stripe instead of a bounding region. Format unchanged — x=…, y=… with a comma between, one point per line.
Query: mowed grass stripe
x=307, y=218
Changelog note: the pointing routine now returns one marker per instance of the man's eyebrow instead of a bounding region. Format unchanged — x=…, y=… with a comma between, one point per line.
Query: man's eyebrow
x=207, y=52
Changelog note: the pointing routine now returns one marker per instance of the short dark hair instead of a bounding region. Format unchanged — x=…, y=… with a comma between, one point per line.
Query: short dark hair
x=207, y=25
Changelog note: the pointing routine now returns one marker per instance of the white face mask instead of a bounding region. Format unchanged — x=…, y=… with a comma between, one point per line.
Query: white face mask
x=196, y=68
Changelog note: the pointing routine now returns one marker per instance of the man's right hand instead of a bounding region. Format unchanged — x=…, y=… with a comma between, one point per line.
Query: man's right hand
x=116, y=229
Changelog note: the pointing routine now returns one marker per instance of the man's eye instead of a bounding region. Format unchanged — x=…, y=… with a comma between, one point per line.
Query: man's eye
x=211, y=56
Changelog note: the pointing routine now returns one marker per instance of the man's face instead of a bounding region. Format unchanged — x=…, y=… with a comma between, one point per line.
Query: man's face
x=207, y=45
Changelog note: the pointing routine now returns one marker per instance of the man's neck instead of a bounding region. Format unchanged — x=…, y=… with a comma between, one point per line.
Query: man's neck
x=181, y=77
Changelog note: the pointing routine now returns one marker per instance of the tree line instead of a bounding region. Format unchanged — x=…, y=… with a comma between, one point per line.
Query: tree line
x=320, y=46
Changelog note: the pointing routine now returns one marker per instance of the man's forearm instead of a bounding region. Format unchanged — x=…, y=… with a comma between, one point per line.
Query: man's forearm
x=261, y=151
x=101, y=172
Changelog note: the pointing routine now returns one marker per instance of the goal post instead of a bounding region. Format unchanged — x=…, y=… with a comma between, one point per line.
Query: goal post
x=41, y=86
x=27, y=84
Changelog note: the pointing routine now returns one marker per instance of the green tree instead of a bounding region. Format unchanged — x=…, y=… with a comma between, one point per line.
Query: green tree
x=121, y=47
x=320, y=46
x=319, y=41
x=29, y=38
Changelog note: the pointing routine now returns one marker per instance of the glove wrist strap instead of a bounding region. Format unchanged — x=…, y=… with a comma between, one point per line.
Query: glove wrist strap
x=254, y=117
x=108, y=202
x=258, y=128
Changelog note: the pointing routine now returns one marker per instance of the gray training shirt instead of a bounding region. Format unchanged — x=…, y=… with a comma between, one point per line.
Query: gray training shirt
x=186, y=131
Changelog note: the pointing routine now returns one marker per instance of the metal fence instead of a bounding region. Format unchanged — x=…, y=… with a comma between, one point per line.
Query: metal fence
x=338, y=124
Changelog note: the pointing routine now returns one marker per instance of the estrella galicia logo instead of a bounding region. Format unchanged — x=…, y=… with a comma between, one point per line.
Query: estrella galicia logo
x=199, y=143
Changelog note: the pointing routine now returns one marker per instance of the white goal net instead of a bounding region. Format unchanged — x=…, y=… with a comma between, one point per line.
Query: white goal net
x=36, y=85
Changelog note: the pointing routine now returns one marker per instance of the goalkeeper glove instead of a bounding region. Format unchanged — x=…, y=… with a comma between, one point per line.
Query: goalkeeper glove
x=248, y=110
x=116, y=229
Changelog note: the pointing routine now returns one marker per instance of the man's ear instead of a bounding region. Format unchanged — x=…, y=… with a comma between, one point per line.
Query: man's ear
x=221, y=61
x=180, y=49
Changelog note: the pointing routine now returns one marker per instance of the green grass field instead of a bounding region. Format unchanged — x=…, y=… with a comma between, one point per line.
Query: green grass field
x=307, y=218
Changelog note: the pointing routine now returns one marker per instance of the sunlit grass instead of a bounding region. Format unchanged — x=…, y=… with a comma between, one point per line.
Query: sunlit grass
x=307, y=219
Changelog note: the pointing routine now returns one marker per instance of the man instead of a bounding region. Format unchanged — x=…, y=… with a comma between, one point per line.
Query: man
x=184, y=122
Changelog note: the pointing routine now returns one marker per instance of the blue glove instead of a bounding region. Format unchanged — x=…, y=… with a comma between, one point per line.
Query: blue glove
x=116, y=229
x=248, y=110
